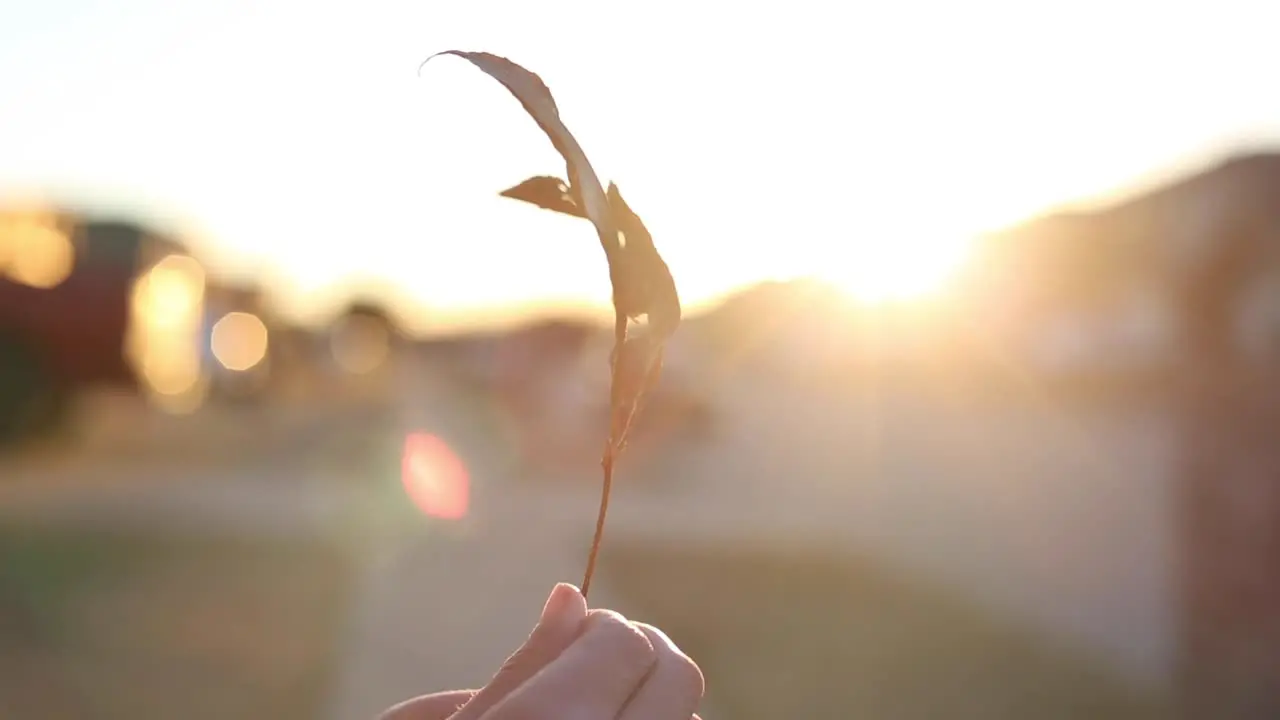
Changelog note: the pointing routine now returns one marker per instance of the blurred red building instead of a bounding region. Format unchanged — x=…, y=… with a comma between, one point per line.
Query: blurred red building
x=90, y=301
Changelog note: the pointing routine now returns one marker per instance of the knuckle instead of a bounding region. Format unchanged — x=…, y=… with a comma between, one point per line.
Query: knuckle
x=678, y=669
x=621, y=636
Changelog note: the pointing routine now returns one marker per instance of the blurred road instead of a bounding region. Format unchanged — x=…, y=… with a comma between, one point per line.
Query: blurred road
x=1074, y=544
x=991, y=502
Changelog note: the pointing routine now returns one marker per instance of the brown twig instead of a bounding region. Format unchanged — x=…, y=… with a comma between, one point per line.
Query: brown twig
x=598, y=537
x=635, y=367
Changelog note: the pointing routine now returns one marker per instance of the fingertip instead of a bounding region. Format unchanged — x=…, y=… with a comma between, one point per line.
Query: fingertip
x=563, y=616
x=564, y=605
x=576, y=600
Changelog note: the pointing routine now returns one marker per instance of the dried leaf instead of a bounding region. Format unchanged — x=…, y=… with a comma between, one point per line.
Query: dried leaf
x=645, y=302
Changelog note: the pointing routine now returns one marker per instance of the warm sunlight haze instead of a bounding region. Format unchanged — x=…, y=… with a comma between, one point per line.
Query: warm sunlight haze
x=912, y=359
x=296, y=142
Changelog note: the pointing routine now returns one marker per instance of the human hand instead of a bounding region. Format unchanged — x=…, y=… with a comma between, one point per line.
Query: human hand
x=586, y=665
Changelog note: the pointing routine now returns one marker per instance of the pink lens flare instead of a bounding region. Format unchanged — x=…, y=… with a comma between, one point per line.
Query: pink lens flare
x=434, y=477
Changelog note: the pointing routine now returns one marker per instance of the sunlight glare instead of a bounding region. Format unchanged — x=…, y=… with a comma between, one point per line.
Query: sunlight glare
x=895, y=271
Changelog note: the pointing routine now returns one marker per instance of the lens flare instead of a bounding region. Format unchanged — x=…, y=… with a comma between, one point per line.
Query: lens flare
x=434, y=477
x=239, y=341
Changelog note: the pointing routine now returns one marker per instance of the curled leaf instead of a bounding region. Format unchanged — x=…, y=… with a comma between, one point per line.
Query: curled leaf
x=645, y=302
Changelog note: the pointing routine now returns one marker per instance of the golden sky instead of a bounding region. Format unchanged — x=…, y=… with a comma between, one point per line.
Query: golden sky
x=862, y=142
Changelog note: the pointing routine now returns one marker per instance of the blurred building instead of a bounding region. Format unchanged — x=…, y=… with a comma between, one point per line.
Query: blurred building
x=1142, y=517
x=90, y=302
x=1187, y=267
x=1183, y=283
x=98, y=311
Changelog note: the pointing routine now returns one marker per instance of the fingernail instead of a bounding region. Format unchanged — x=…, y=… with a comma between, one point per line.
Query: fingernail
x=558, y=603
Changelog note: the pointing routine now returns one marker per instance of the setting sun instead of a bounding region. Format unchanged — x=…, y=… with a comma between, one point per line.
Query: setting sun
x=894, y=271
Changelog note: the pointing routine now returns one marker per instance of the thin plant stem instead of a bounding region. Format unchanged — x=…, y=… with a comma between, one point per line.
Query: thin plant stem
x=598, y=537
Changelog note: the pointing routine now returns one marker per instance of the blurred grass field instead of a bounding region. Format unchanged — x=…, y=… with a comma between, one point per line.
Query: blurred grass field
x=106, y=625
x=801, y=636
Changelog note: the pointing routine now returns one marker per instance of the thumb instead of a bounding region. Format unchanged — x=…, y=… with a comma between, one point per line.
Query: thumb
x=557, y=628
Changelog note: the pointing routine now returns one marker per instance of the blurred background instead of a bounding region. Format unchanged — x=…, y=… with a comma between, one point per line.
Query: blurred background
x=973, y=413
